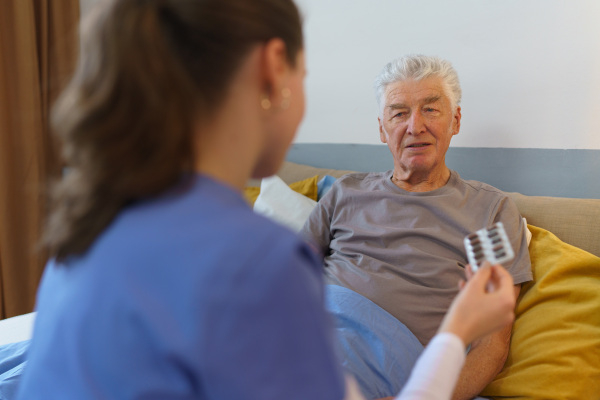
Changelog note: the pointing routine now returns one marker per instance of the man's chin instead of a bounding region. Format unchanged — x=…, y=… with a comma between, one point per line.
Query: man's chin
x=419, y=165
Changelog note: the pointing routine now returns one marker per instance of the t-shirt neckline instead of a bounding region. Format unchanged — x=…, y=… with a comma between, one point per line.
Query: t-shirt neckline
x=454, y=177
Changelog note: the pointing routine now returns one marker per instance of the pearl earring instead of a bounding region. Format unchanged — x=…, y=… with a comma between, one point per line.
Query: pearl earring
x=265, y=103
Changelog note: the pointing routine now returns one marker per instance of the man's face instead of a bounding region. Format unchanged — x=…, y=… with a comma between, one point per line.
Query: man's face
x=417, y=123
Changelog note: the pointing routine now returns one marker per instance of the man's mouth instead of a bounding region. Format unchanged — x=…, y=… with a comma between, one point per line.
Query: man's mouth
x=417, y=145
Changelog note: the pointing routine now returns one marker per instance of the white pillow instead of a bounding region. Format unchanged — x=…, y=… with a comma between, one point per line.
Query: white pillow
x=17, y=329
x=281, y=204
x=527, y=232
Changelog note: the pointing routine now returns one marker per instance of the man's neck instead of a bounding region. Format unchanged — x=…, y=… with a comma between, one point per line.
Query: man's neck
x=420, y=182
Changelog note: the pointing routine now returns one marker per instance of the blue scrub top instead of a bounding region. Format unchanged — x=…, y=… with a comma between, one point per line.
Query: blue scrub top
x=190, y=295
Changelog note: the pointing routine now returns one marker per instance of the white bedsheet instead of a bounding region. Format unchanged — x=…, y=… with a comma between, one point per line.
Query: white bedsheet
x=16, y=329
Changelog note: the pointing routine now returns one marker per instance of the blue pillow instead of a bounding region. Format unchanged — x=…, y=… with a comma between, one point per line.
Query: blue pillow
x=324, y=185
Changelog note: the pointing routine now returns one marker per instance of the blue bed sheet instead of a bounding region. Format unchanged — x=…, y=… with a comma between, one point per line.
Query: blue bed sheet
x=372, y=345
x=12, y=364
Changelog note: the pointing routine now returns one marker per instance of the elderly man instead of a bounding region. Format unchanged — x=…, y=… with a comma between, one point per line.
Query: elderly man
x=397, y=237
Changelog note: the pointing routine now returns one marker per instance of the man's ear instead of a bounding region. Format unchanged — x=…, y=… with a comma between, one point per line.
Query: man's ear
x=275, y=66
x=456, y=121
x=382, y=134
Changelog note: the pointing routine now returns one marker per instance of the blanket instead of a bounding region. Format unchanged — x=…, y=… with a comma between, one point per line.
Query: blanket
x=372, y=345
x=12, y=363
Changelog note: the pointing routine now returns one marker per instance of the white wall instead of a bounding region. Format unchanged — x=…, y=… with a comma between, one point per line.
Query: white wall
x=530, y=69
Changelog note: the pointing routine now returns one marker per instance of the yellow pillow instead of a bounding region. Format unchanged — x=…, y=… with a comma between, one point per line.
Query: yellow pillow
x=307, y=187
x=555, y=345
x=251, y=193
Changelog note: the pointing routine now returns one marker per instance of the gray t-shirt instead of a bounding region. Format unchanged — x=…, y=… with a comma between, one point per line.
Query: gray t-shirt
x=404, y=250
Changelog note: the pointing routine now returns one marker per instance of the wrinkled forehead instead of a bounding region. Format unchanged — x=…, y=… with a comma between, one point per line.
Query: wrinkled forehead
x=416, y=92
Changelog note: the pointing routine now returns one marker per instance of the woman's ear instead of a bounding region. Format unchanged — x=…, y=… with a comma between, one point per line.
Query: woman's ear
x=275, y=66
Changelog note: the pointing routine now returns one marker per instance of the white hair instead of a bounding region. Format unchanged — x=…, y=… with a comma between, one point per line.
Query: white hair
x=417, y=67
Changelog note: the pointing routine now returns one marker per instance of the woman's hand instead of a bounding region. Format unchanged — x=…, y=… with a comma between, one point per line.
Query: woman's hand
x=485, y=304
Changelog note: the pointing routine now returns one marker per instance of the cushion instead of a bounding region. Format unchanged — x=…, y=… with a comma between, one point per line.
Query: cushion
x=251, y=193
x=324, y=185
x=292, y=172
x=307, y=187
x=282, y=204
x=571, y=220
x=555, y=346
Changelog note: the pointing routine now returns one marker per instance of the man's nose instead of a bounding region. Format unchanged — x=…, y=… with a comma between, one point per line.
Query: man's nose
x=416, y=123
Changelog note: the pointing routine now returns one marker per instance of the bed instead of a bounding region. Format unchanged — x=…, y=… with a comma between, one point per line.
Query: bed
x=555, y=348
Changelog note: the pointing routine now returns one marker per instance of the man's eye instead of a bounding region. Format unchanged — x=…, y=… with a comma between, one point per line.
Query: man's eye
x=429, y=109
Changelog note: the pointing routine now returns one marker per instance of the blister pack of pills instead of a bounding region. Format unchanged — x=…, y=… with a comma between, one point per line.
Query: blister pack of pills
x=489, y=244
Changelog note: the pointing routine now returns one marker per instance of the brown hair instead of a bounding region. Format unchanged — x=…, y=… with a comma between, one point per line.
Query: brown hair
x=148, y=69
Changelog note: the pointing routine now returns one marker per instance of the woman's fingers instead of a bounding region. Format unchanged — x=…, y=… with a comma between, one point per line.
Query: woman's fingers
x=469, y=272
x=485, y=303
x=482, y=277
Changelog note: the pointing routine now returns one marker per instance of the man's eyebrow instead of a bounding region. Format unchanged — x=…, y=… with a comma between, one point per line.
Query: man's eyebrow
x=396, y=106
x=426, y=100
x=431, y=99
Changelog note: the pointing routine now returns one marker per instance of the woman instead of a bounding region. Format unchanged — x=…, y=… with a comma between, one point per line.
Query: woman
x=163, y=283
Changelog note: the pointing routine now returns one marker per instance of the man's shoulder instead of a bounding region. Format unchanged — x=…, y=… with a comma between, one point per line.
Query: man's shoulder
x=362, y=180
x=480, y=187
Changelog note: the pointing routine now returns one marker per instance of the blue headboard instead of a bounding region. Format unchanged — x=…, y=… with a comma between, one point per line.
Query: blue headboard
x=534, y=172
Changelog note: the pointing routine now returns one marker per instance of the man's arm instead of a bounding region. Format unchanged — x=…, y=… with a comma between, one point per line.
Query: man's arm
x=484, y=361
x=317, y=227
